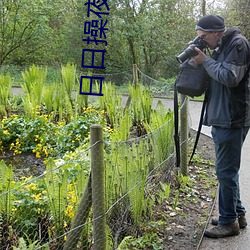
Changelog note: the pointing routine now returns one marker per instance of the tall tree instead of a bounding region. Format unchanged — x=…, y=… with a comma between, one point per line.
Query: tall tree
x=21, y=21
x=237, y=12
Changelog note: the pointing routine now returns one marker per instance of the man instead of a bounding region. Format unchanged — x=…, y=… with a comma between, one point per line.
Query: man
x=228, y=112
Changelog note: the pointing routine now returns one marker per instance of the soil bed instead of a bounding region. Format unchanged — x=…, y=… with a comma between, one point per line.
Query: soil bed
x=25, y=164
x=186, y=223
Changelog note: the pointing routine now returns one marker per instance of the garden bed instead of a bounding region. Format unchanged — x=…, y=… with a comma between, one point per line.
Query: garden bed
x=185, y=226
x=178, y=222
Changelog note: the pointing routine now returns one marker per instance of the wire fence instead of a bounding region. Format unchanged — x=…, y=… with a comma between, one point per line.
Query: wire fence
x=42, y=210
x=55, y=210
x=158, y=87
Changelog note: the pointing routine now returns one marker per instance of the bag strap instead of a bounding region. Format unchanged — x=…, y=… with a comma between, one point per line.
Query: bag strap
x=176, y=126
x=199, y=127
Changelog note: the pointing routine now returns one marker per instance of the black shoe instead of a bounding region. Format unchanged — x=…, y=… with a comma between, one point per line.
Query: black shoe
x=241, y=219
x=221, y=231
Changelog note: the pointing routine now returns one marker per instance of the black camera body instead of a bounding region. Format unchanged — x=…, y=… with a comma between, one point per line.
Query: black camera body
x=190, y=51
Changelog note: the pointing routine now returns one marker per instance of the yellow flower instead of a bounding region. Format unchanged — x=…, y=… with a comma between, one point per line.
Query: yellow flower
x=38, y=155
x=37, y=196
x=69, y=211
x=31, y=187
x=6, y=132
x=73, y=199
x=45, y=151
x=16, y=152
x=14, y=209
x=103, y=112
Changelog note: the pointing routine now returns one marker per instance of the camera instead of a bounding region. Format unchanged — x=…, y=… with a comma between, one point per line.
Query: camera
x=190, y=51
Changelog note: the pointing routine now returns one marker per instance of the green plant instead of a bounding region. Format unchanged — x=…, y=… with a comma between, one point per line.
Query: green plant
x=121, y=131
x=64, y=183
x=164, y=191
x=6, y=184
x=30, y=208
x=33, y=86
x=48, y=97
x=126, y=172
x=176, y=199
x=161, y=128
x=23, y=134
x=141, y=104
x=68, y=74
x=23, y=246
x=5, y=89
x=147, y=241
x=56, y=187
x=45, y=138
x=112, y=108
x=184, y=181
x=82, y=100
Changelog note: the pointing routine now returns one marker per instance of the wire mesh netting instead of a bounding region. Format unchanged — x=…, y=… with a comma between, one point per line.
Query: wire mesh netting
x=42, y=209
x=53, y=207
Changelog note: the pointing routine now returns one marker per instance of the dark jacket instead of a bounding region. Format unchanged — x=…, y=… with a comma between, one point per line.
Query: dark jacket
x=229, y=90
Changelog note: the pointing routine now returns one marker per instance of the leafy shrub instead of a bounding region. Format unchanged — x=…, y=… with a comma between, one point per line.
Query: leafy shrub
x=43, y=137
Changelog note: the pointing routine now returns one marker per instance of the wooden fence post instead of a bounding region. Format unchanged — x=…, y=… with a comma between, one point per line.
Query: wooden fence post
x=135, y=74
x=80, y=218
x=184, y=135
x=98, y=194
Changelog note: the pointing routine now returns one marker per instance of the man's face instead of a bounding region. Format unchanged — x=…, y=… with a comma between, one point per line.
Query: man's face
x=211, y=38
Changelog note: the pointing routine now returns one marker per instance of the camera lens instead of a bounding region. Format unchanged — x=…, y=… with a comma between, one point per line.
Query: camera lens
x=187, y=53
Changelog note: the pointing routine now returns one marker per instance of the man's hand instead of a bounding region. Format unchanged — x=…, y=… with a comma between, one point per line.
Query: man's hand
x=200, y=58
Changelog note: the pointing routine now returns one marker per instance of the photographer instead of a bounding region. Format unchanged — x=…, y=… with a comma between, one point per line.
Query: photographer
x=228, y=112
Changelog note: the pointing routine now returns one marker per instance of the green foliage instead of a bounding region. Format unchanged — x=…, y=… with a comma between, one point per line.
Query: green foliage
x=141, y=104
x=6, y=184
x=33, y=86
x=82, y=101
x=23, y=28
x=30, y=206
x=50, y=200
x=68, y=73
x=48, y=98
x=147, y=241
x=128, y=161
x=122, y=127
x=164, y=192
x=22, y=134
x=161, y=126
x=43, y=137
x=144, y=33
x=126, y=172
x=5, y=89
x=57, y=188
x=30, y=245
x=184, y=181
x=113, y=109
x=176, y=199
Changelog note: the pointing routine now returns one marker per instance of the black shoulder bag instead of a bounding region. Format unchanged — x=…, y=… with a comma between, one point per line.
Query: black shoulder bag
x=192, y=80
